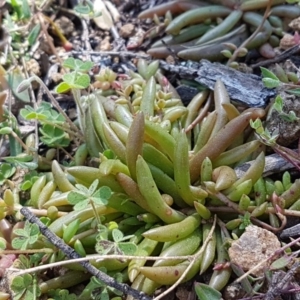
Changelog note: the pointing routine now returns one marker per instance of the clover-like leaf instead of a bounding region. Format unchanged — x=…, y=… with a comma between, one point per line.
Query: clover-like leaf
x=63, y=87
x=117, y=235
x=52, y=131
x=83, y=9
x=62, y=295
x=69, y=78
x=69, y=63
x=82, y=81
x=81, y=205
x=26, y=236
x=93, y=187
x=19, y=243
x=75, y=197
x=7, y=170
x=86, y=66
x=18, y=283
x=54, y=136
x=82, y=189
x=105, y=247
x=105, y=192
x=127, y=248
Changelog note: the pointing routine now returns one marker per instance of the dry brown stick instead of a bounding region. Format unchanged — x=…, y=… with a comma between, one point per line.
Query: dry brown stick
x=283, y=56
x=252, y=36
x=71, y=253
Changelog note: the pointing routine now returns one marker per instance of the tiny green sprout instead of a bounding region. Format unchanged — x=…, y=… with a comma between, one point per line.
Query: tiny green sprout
x=117, y=246
x=281, y=262
x=71, y=230
x=246, y=221
x=34, y=33
x=53, y=124
x=54, y=137
x=101, y=291
x=85, y=8
x=78, y=79
x=6, y=171
x=264, y=134
x=29, y=180
x=227, y=53
x=25, y=287
x=278, y=106
x=61, y=295
x=84, y=196
x=26, y=236
x=78, y=65
x=270, y=80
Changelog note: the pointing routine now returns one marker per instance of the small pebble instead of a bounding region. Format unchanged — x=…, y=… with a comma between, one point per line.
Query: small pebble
x=253, y=246
x=126, y=30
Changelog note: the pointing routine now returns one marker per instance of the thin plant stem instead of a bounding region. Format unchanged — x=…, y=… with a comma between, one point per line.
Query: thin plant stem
x=71, y=253
x=253, y=35
x=28, y=251
x=235, y=207
x=32, y=96
x=95, y=212
x=41, y=19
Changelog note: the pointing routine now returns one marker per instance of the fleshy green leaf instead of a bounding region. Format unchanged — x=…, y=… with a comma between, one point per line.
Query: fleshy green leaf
x=205, y=292
x=270, y=83
x=14, y=79
x=294, y=91
x=34, y=33
x=26, y=13
x=280, y=263
x=268, y=74
x=6, y=130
